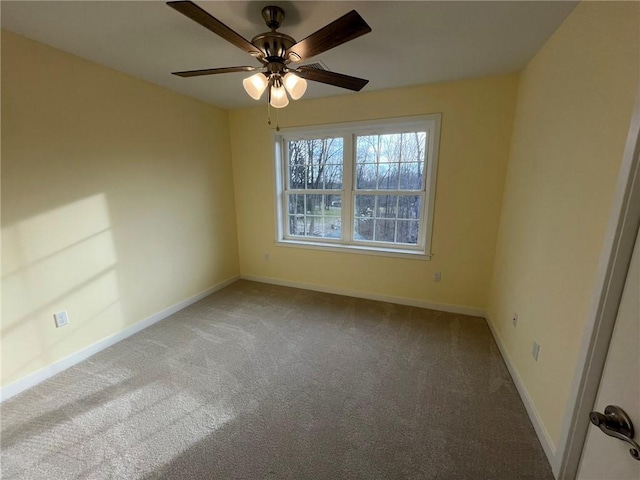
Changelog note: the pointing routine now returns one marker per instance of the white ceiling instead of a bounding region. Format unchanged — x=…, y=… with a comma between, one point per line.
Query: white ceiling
x=411, y=43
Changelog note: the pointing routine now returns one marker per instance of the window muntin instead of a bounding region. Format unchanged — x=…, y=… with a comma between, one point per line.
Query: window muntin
x=314, y=215
x=387, y=167
x=391, y=162
x=359, y=186
x=313, y=199
x=393, y=219
x=315, y=164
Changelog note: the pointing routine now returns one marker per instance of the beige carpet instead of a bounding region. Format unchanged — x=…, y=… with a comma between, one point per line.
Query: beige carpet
x=265, y=382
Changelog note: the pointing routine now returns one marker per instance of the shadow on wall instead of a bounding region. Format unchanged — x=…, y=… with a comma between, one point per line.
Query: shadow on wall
x=63, y=259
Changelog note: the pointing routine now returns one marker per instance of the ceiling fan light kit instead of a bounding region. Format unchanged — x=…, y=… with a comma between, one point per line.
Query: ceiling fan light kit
x=255, y=85
x=295, y=85
x=276, y=51
x=277, y=94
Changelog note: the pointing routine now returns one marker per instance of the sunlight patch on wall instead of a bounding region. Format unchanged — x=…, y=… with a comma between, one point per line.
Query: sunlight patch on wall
x=51, y=232
x=52, y=279
x=63, y=259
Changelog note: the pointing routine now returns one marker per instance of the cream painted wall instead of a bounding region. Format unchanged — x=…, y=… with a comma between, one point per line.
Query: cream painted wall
x=476, y=127
x=117, y=202
x=573, y=111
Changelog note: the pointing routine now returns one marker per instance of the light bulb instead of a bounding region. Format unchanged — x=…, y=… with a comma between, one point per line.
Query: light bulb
x=255, y=85
x=296, y=86
x=279, y=96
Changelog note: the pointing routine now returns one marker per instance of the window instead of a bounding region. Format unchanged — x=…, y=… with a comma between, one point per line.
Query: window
x=366, y=187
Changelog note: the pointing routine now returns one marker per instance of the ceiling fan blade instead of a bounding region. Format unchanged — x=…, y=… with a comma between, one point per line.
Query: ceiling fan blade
x=213, y=71
x=346, y=28
x=332, y=78
x=197, y=14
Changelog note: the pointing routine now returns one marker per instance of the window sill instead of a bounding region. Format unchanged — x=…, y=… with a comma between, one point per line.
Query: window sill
x=358, y=249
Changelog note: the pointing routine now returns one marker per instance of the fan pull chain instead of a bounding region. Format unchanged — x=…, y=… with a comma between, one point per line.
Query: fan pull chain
x=269, y=117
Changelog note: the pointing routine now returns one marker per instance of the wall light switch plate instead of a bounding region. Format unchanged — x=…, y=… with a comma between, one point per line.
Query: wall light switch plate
x=535, y=351
x=61, y=318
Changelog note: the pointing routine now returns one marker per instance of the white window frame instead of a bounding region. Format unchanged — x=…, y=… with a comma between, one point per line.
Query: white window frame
x=349, y=131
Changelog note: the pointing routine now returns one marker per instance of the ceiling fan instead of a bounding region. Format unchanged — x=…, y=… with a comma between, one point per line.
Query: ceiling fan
x=276, y=51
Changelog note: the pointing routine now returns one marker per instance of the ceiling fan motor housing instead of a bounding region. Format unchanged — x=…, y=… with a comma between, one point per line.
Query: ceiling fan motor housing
x=273, y=44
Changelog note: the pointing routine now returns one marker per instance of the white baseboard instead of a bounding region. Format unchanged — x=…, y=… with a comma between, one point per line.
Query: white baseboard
x=57, y=367
x=534, y=416
x=412, y=302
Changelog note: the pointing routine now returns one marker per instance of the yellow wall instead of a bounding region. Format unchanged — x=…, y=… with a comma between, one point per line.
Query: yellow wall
x=574, y=106
x=476, y=127
x=118, y=197
x=117, y=201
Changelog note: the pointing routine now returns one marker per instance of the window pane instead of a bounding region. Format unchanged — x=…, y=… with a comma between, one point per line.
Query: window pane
x=365, y=205
x=335, y=203
x=407, y=232
x=296, y=225
x=395, y=162
x=413, y=146
x=315, y=163
x=366, y=176
x=333, y=215
x=367, y=149
x=296, y=204
x=387, y=218
x=390, y=148
x=385, y=230
x=386, y=206
x=315, y=226
x=297, y=176
x=409, y=206
x=313, y=204
x=315, y=215
x=411, y=176
x=332, y=177
x=387, y=176
x=363, y=229
x=313, y=176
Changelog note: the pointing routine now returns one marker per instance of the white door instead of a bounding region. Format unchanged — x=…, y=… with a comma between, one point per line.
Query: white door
x=604, y=457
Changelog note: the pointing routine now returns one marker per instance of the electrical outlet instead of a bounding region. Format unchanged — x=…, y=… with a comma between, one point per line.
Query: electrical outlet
x=61, y=318
x=437, y=276
x=514, y=320
x=535, y=351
